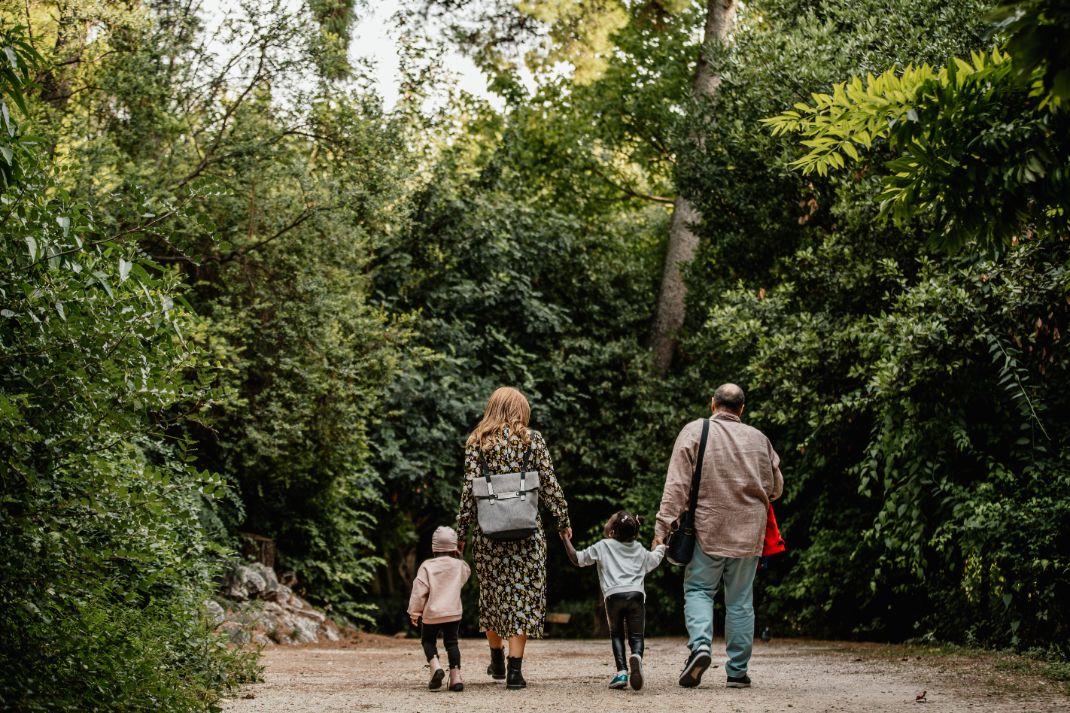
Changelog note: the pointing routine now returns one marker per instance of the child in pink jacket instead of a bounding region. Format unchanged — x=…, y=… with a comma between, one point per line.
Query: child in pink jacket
x=436, y=604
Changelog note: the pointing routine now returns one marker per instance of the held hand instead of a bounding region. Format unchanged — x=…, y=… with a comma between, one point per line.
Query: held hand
x=460, y=547
x=566, y=534
x=655, y=542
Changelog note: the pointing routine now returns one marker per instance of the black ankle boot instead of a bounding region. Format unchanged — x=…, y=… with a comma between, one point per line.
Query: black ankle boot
x=497, y=664
x=514, y=678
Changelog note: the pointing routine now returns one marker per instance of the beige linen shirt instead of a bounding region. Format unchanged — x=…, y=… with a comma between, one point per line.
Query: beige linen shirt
x=740, y=476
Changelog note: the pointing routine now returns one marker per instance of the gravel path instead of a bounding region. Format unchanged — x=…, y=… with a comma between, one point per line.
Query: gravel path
x=383, y=674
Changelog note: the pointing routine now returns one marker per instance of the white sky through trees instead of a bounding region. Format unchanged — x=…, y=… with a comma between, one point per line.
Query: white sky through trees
x=374, y=40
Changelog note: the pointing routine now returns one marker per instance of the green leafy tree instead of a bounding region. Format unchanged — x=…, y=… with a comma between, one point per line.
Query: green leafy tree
x=289, y=176
x=915, y=392
x=106, y=561
x=976, y=148
x=505, y=288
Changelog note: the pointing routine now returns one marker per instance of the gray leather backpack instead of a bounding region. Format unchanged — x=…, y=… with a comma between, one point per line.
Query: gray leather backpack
x=507, y=505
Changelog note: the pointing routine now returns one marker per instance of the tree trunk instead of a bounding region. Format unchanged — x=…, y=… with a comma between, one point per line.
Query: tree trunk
x=67, y=51
x=720, y=14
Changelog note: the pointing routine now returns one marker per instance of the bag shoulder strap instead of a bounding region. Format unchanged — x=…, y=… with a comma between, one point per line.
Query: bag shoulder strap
x=486, y=474
x=524, y=465
x=696, y=477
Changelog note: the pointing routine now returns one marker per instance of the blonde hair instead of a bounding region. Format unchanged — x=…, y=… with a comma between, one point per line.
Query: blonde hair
x=506, y=407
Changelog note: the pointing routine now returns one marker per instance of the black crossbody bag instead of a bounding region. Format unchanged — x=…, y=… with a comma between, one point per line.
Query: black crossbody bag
x=680, y=545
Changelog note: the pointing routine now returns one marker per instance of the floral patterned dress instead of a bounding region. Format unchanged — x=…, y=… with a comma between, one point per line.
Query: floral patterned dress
x=511, y=574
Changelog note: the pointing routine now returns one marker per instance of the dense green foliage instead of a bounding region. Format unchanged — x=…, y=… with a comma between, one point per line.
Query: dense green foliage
x=286, y=184
x=188, y=347
x=977, y=149
x=896, y=380
x=906, y=385
x=505, y=291
x=962, y=370
x=241, y=295
x=105, y=558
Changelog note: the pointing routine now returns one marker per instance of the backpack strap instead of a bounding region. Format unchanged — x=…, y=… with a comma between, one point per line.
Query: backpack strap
x=486, y=474
x=524, y=465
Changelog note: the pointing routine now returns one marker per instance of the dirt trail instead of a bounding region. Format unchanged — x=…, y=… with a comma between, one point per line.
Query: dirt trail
x=382, y=674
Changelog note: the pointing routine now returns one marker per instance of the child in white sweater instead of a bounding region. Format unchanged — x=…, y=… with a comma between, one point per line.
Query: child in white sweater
x=623, y=564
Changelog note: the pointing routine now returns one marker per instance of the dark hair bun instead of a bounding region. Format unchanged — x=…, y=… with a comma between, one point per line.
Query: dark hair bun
x=626, y=526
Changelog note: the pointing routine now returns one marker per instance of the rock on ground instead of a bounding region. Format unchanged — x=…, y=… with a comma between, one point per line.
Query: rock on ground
x=261, y=610
x=793, y=676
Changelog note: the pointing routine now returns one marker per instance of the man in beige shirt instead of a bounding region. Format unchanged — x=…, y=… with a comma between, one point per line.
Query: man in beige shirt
x=740, y=476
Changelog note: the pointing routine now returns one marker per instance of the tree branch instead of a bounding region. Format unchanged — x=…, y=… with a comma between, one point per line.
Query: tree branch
x=122, y=233
x=307, y=213
x=226, y=120
x=631, y=191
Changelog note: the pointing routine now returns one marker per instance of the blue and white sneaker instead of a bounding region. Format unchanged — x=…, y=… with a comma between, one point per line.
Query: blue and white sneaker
x=619, y=681
x=635, y=666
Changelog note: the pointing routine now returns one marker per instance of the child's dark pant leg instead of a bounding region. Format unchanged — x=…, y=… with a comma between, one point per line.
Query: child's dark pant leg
x=626, y=612
x=429, y=640
x=616, y=605
x=635, y=618
x=450, y=632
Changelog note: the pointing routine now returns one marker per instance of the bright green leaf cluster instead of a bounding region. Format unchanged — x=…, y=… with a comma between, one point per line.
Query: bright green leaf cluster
x=974, y=145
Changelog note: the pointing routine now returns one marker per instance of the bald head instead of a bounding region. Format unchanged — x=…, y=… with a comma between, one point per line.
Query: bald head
x=728, y=397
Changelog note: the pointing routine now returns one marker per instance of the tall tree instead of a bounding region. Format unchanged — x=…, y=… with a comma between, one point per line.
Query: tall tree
x=106, y=556
x=288, y=179
x=682, y=244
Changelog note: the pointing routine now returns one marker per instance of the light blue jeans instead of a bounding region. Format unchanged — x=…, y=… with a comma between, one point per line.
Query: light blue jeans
x=701, y=579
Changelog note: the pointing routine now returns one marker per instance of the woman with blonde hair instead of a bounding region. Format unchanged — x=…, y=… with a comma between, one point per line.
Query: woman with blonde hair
x=512, y=573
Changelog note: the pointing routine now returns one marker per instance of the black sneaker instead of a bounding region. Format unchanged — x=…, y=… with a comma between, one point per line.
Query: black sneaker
x=696, y=665
x=739, y=682
x=635, y=677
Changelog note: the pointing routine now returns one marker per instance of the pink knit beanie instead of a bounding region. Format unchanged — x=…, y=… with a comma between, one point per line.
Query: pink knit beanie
x=444, y=540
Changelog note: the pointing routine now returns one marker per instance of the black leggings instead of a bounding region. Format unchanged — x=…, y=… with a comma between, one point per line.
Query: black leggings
x=429, y=639
x=626, y=610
